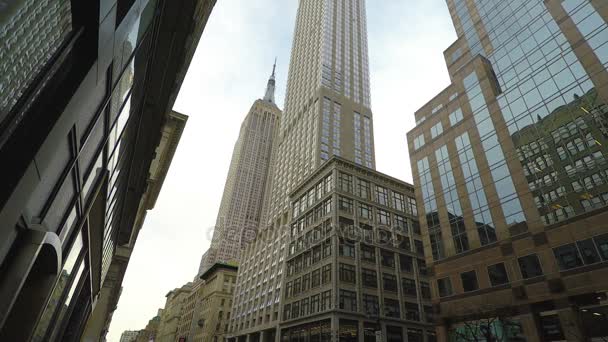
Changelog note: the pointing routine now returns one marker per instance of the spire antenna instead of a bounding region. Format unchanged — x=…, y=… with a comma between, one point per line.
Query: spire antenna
x=270, y=87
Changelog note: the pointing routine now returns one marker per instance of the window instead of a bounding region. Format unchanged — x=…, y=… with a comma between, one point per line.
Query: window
x=422, y=267
x=296, y=286
x=404, y=243
x=326, y=274
x=406, y=263
x=363, y=188
x=315, y=278
x=384, y=217
x=567, y=257
x=371, y=305
x=399, y=201
x=498, y=274
x=365, y=211
x=576, y=255
x=401, y=223
x=588, y=251
x=389, y=282
x=327, y=248
x=444, y=286
x=382, y=195
x=419, y=141
x=287, y=312
x=469, y=281
x=328, y=184
x=305, y=282
x=391, y=308
x=347, y=273
x=369, y=278
x=602, y=245
x=368, y=253
x=348, y=300
x=347, y=249
x=314, y=304
x=316, y=254
x=455, y=117
x=530, y=266
x=345, y=204
x=412, y=311
x=409, y=287
x=419, y=247
x=345, y=182
x=414, y=335
x=416, y=227
x=326, y=300
x=436, y=130
x=387, y=258
x=425, y=290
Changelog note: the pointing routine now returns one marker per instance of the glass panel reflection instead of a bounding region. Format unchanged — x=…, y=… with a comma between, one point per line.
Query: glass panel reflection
x=63, y=281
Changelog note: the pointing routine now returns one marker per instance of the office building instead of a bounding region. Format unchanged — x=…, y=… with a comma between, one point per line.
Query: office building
x=214, y=304
x=129, y=336
x=247, y=183
x=327, y=113
x=355, y=263
x=510, y=172
x=80, y=83
x=172, y=313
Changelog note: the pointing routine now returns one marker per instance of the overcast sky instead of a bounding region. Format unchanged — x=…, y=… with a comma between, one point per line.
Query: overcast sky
x=229, y=71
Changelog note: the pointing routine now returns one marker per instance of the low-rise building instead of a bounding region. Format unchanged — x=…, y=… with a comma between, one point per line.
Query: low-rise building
x=214, y=304
x=170, y=318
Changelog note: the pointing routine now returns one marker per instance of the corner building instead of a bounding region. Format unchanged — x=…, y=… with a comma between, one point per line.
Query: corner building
x=355, y=264
x=510, y=172
x=327, y=113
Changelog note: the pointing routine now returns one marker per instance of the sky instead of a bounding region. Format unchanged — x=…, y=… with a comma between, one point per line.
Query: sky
x=228, y=73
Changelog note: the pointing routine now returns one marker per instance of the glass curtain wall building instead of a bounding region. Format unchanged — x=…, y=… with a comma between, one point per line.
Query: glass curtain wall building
x=510, y=170
x=81, y=82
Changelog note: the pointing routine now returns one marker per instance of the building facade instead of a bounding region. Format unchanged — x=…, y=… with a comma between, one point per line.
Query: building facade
x=510, y=172
x=327, y=112
x=80, y=82
x=248, y=182
x=168, y=328
x=355, y=263
x=151, y=330
x=129, y=336
x=214, y=304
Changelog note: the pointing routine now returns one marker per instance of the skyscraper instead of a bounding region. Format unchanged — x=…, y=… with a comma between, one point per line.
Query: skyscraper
x=248, y=182
x=327, y=112
x=327, y=103
x=510, y=170
x=326, y=138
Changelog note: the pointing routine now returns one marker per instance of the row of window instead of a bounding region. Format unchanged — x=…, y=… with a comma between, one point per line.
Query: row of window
x=381, y=195
x=369, y=279
x=391, y=307
x=309, y=258
x=383, y=217
x=314, y=215
x=314, y=194
x=437, y=129
x=569, y=256
x=387, y=258
x=308, y=281
x=308, y=306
